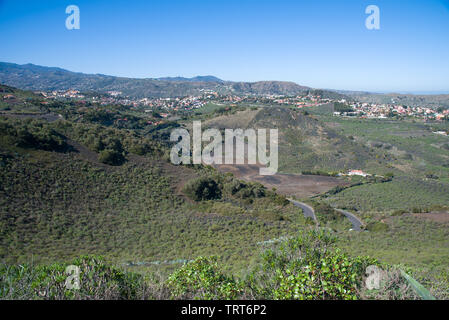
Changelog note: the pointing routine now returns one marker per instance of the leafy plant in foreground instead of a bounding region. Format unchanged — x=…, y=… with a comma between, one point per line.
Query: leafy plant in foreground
x=308, y=267
x=203, y=279
x=98, y=280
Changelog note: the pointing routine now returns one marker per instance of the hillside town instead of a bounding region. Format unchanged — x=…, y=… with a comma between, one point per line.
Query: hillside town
x=183, y=103
x=384, y=111
x=356, y=109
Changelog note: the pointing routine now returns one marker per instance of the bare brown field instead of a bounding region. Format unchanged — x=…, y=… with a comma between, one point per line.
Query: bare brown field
x=301, y=186
x=437, y=216
x=442, y=217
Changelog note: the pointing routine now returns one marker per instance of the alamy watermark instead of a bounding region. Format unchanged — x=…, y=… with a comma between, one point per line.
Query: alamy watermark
x=212, y=153
x=374, y=277
x=372, y=22
x=72, y=282
x=73, y=20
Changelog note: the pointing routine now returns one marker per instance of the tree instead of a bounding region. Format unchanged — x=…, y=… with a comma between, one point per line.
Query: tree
x=111, y=157
x=203, y=188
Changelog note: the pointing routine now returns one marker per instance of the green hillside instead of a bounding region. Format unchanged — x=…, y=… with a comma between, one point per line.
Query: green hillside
x=75, y=181
x=60, y=198
x=306, y=143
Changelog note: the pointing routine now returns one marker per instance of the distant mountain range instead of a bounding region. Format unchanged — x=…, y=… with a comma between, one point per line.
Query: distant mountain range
x=39, y=78
x=194, y=79
x=34, y=77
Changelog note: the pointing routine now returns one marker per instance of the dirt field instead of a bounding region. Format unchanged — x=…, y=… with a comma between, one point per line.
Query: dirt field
x=442, y=217
x=301, y=186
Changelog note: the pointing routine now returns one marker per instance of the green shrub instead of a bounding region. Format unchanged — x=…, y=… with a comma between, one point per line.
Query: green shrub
x=399, y=212
x=227, y=209
x=203, y=188
x=243, y=190
x=101, y=116
x=308, y=267
x=432, y=176
x=270, y=215
x=98, y=280
x=336, y=190
x=111, y=157
x=203, y=279
x=325, y=213
x=377, y=226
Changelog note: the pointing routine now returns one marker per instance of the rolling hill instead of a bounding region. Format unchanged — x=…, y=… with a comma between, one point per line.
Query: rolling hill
x=36, y=78
x=306, y=144
x=434, y=101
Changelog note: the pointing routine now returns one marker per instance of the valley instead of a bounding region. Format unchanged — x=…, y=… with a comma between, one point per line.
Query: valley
x=81, y=180
x=224, y=159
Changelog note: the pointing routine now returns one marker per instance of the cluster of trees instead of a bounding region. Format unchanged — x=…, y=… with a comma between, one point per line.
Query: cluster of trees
x=203, y=188
x=217, y=186
x=101, y=116
x=114, y=116
x=112, y=144
x=225, y=195
x=31, y=134
x=110, y=150
x=111, y=157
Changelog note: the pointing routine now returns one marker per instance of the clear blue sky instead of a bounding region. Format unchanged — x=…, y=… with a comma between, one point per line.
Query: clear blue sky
x=323, y=44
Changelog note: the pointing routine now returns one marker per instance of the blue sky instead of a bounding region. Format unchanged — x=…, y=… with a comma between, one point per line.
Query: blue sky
x=322, y=44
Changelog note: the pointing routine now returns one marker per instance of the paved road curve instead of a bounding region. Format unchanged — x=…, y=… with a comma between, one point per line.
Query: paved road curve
x=310, y=213
x=306, y=209
x=356, y=223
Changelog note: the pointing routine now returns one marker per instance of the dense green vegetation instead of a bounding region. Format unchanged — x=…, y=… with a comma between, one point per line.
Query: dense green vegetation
x=90, y=183
x=413, y=241
x=417, y=159
x=202, y=189
x=406, y=156
x=98, y=280
x=401, y=193
x=329, y=217
x=226, y=196
x=306, y=266
x=31, y=134
x=216, y=186
x=58, y=205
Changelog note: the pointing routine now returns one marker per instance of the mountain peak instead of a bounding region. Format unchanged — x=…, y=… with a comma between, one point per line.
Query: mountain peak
x=41, y=78
x=207, y=78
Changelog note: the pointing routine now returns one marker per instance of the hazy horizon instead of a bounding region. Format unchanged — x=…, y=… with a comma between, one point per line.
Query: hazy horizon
x=230, y=80
x=320, y=44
